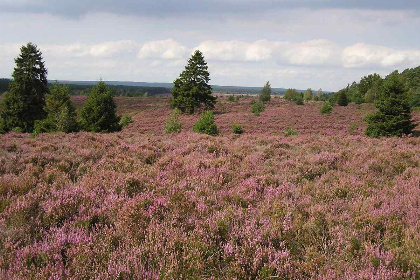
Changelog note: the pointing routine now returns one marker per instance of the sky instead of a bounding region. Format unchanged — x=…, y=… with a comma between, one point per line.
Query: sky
x=291, y=43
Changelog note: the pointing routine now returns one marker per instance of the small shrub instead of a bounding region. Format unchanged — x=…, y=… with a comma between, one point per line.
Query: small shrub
x=231, y=98
x=125, y=120
x=289, y=131
x=257, y=107
x=206, y=124
x=237, y=128
x=326, y=108
x=299, y=99
x=173, y=125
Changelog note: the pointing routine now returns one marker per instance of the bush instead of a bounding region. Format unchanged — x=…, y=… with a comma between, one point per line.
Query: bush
x=125, y=120
x=257, y=107
x=299, y=99
x=237, y=128
x=326, y=108
x=290, y=94
x=173, y=125
x=206, y=124
x=231, y=98
x=289, y=131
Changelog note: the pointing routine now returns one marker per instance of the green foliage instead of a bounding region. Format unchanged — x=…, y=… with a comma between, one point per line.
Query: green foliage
x=290, y=131
x=367, y=82
x=290, y=94
x=125, y=120
x=99, y=112
x=342, y=98
x=61, y=114
x=265, y=94
x=299, y=99
x=415, y=99
x=332, y=99
x=308, y=95
x=373, y=92
x=326, y=108
x=191, y=89
x=257, y=106
x=237, y=128
x=206, y=124
x=394, y=113
x=173, y=125
x=25, y=102
x=319, y=94
x=231, y=98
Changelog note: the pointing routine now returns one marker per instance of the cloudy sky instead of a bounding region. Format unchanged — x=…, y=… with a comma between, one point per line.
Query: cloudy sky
x=292, y=43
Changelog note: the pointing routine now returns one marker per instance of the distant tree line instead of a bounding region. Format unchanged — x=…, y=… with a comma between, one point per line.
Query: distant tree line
x=116, y=90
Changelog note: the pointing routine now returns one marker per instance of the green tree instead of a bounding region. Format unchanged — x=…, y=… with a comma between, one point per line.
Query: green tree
x=290, y=94
x=257, y=106
x=99, y=112
x=191, y=89
x=326, y=108
x=206, y=124
x=308, y=95
x=265, y=94
x=299, y=99
x=393, y=117
x=25, y=102
x=367, y=82
x=342, y=98
x=61, y=114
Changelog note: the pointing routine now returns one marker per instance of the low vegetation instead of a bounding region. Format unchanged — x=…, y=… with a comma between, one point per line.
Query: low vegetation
x=301, y=194
x=206, y=124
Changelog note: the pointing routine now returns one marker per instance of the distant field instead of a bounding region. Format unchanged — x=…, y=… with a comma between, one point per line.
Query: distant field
x=328, y=203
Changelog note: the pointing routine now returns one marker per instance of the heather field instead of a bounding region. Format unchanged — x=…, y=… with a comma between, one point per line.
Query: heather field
x=327, y=203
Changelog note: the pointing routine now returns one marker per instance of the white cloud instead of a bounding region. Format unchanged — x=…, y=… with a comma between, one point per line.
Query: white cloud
x=362, y=55
x=165, y=49
x=109, y=49
x=286, y=64
x=315, y=52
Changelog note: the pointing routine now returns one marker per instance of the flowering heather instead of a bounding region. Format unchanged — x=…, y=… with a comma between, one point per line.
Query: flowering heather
x=328, y=203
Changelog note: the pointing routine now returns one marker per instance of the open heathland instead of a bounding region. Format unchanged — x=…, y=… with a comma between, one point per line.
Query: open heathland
x=297, y=195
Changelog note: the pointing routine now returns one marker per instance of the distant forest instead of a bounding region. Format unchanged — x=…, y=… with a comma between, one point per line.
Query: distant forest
x=117, y=90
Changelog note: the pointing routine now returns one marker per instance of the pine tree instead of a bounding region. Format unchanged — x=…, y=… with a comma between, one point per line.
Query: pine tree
x=265, y=94
x=99, y=112
x=61, y=112
x=342, y=99
x=191, y=90
x=393, y=117
x=25, y=102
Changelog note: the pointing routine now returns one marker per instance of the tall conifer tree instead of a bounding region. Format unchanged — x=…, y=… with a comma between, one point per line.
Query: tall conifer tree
x=25, y=102
x=191, y=89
